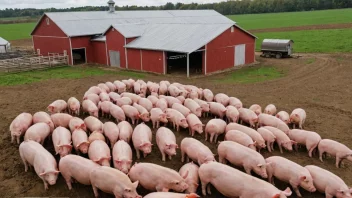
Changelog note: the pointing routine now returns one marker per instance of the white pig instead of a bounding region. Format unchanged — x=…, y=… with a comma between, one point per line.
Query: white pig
x=298, y=117
x=308, y=138
x=335, y=149
x=192, y=178
x=214, y=128
x=281, y=139
x=90, y=107
x=126, y=130
x=61, y=119
x=283, y=115
x=80, y=141
x=196, y=151
x=20, y=125
x=122, y=156
x=62, y=141
x=99, y=152
x=74, y=106
x=93, y=124
x=57, y=106
x=268, y=136
x=157, y=116
x=111, y=131
x=142, y=138
x=241, y=138
x=42, y=116
x=166, y=141
x=38, y=132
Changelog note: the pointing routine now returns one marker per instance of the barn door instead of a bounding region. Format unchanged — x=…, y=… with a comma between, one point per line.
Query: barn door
x=240, y=54
x=114, y=58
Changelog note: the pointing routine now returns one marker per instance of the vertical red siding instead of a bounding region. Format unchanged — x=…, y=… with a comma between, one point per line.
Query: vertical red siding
x=153, y=61
x=99, y=52
x=52, y=45
x=134, y=59
x=84, y=42
x=48, y=30
x=203, y=62
x=250, y=55
x=115, y=41
x=128, y=40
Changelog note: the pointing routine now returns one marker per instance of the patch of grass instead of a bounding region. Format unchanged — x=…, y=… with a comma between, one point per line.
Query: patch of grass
x=288, y=19
x=310, y=61
x=16, y=31
x=60, y=73
x=252, y=75
x=335, y=40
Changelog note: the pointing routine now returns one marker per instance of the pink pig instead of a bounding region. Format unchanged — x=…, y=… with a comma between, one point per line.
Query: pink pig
x=114, y=96
x=62, y=141
x=20, y=125
x=80, y=141
x=335, y=149
x=77, y=123
x=117, y=113
x=42, y=116
x=105, y=108
x=111, y=131
x=268, y=136
x=144, y=102
x=96, y=136
x=171, y=100
x=298, y=117
x=144, y=113
x=181, y=99
x=170, y=195
x=135, y=98
x=153, y=100
x=94, y=90
x=157, y=178
x=281, y=139
x=77, y=168
x=93, y=124
x=111, y=86
x=104, y=97
x=194, y=124
x=104, y=87
x=269, y=120
x=291, y=172
x=163, y=87
x=121, y=87
x=34, y=154
x=193, y=106
x=90, y=107
x=126, y=130
x=57, y=106
x=38, y=132
x=214, y=128
x=131, y=112
x=61, y=119
x=92, y=97
x=208, y=95
x=308, y=138
x=162, y=104
x=222, y=98
x=137, y=88
x=270, y=109
x=256, y=137
x=142, y=138
x=122, y=156
x=182, y=109
x=74, y=106
x=166, y=141
x=217, y=109
x=176, y=118
x=283, y=115
x=248, y=116
x=235, y=102
x=192, y=178
x=204, y=105
x=99, y=152
x=196, y=151
x=174, y=90
x=241, y=138
x=157, y=116
x=257, y=109
x=232, y=114
x=123, y=101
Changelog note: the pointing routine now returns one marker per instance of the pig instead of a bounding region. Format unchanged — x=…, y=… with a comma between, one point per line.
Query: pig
x=291, y=172
x=105, y=108
x=126, y=130
x=111, y=131
x=193, y=106
x=270, y=109
x=94, y=90
x=131, y=112
x=117, y=113
x=122, y=156
x=298, y=117
x=77, y=168
x=77, y=123
x=104, y=88
x=196, y=151
x=243, y=156
x=170, y=195
x=153, y=100
x=181, y=99
x=144, y=102
x=283, y=115
x=92, y=97
x=222, y=98
x=328, y=183
x=204, y=105
x=129, y=84
x=161, y=104
x=182, y=109
x=93, y=124
x=90, y=107
x=166, y=141
x=121, y=87
x=235, y=102
x=335, y=149
x=111, y=86
x=74, y=106
x=34, y=154
x=281, y=139
x=217, y=109
x=308, y=138
x=99, y=152
x=96, y=135
x=163, y=87
x=214, y=128
x=42, y=116
x=268, y=136
x=174, y=90
x=20, y=125
x=38, y=132
x=135, y=98
x=269, y=120
x=241, y=138
x=256, y=137
x=192, y=178
x=176, y=118
x=193, y=95
x=137, y=88
x=170, y=100
x=104, y=97
x=208, y=95
x=157, y=178
x=227, y=179
x=80, y=141
x=157, y=116
x=142, y=138
x=232, y=114
x=62, y=141
x=123, y=101
x=114, y=96
x=112, y=181
x=144, y=113
x=194, y=124
x=257, y=109
x=153, y=87
x=248, y=116
x=58, y=106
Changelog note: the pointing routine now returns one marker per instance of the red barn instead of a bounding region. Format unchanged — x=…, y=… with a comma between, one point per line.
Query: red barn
x=192, y=41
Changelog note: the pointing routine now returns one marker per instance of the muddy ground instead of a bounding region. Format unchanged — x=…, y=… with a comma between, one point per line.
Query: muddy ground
x=323, y=88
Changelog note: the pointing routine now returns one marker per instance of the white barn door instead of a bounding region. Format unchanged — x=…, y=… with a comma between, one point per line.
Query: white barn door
x=114, y=58
x=240, y=54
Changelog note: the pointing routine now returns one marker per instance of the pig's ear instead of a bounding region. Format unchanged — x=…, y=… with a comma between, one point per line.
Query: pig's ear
x=184, y=176
x=293, y=142
x=302, y=178
x=287, y=191
x=184, y=119
x=260, y=165
x=135, y=184
x=276, y=196
x=50, y=108
x=128, y=190
x=42, y=174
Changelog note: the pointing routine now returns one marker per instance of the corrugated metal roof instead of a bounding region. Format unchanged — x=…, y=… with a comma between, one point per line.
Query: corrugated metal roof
x=3, y=41
x=185, y=38
x=130, y=30
x=99, y=38
x=282, y=41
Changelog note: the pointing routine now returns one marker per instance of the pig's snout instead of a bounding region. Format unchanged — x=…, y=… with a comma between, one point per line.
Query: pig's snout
x=264, y=175
x=52, y=182
x=312, y=189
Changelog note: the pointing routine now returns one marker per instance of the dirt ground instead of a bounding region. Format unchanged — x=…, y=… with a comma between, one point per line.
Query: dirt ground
x=323, y=88
x=306, y=27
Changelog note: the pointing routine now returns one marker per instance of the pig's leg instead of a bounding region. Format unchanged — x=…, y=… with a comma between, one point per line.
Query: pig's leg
x=204, y=186
x=157, y=124
x=280, y=147
x=295, y=188
x=272, y=146
x=12, y=138
x=182, y=156
x=211, y=137
x=206, y=135
x=18, y=139
x=170, y=157
x=68, y=182
x=178, y=127
x=95, y=190
x=193, y=131
x=296, y=147
x=338, y=160
x=153, y=124
x=222, y=159
x=208, y=189
x=145, y=155
x=162, y=156
x=216, y=138
x=24, y=162
x=46, y=187
x=310, y=150
x=248, y=170
x=138, y=153
x=160, y=188
x=189, y=129
x=321, y=152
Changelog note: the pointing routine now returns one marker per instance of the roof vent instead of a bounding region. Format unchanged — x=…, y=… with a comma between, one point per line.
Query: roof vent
x=111, y=4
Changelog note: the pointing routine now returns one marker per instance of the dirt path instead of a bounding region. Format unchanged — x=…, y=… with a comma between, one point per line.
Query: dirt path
x=306, y=27
x=323, y=88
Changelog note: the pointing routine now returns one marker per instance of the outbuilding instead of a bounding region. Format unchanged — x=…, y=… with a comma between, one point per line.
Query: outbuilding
x=168, y=41
x=4, y=46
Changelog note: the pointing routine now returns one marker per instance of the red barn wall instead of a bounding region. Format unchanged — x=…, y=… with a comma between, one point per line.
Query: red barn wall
x=83, y=42
x=115, y=41
x=221, y=51
x=153, y=61
x=134, y=59
x=48, y=30
x=57, y=45
x=99, y=52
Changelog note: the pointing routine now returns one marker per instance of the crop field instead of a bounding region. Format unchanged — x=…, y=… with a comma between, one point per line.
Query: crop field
x=16, y=31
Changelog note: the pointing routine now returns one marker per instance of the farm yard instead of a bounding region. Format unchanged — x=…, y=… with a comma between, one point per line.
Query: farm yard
x=319, y=82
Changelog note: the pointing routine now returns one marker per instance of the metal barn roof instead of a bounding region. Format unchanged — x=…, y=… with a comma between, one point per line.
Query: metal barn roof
x=130, y=30
x=277, y=41
x=3, y=41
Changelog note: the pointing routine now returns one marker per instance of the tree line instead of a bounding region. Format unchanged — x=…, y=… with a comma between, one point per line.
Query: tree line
x=226, y=8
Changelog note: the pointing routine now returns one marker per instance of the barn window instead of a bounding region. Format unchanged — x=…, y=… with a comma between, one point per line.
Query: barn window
x=47, y=21
x=232, y=29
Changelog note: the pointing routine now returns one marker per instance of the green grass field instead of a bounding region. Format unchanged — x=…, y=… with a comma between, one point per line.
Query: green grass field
x=60, y=73
x=16, y=31
x=336, y=40
x=289, y=19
